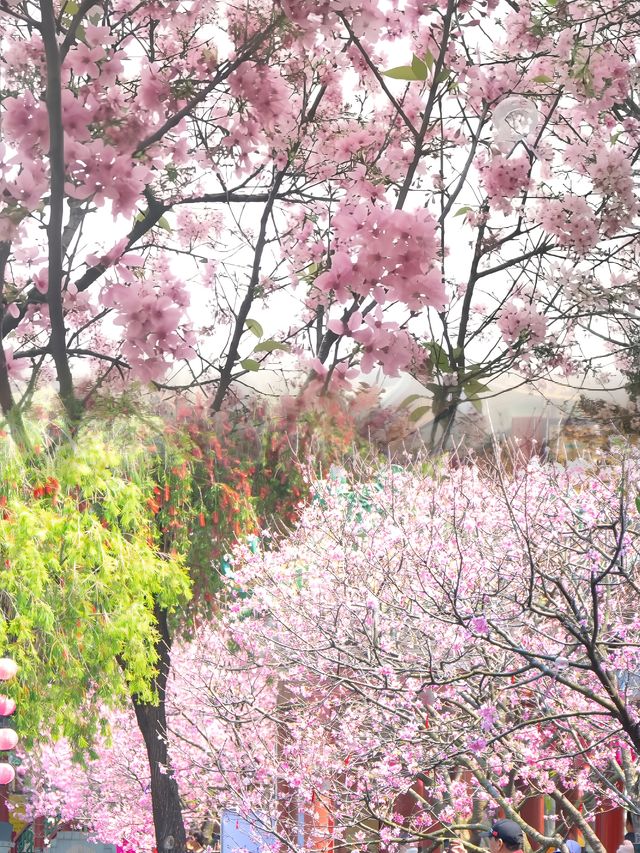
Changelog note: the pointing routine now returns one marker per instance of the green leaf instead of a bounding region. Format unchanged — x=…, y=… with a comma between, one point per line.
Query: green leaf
x=473, y=387
x=461, y=211
x=249, y=364
x=638, y=504
x=254, y=327
x=444, y=74
x=476, y=403
x=403, y=72
x=418, y=413
x=419, y=68
x=429, y=60
x=543, y=78
x=164, y=224
x=270, y=346
x=409, y=400
x=438, y=357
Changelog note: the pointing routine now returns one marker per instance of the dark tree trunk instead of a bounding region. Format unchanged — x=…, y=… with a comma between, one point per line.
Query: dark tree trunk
x=152, y=722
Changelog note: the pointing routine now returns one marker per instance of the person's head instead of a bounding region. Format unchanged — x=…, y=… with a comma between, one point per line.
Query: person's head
x=505, y=836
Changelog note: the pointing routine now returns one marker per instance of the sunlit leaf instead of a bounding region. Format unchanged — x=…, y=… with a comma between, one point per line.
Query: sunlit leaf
x=254, y=327
x=404, y=72
x=409, y=400
x=249, y=364
x=419, y=68
x=270, y=346
x=418, y=413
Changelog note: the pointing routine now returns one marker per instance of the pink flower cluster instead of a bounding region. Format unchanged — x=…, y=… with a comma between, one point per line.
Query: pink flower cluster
x=195, y=227
x=256, y=705
x=365, y=15
x=25, y=122
x=153, y=319
x=98, y=168
x=611, y=173
x=604, y=76
x=112, y=790
x=488, y=84
x=101, y=172
x=504, y=178
x=571, y=221
x=267, y=105
x=385, y=253
x=382, y=341
x=518, y=318
x=264, y=89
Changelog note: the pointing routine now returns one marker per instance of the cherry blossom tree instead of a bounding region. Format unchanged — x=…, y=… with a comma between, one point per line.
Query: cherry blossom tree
x=426, y=647
x=466, y=636
x=226, y=187
x=175, y=185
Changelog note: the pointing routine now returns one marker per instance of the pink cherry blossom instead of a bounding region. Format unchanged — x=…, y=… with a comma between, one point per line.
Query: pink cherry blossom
x=519, y=317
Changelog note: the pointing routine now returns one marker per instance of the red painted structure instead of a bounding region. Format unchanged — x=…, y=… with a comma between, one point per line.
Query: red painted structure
x=610, y=828
x=532, y=812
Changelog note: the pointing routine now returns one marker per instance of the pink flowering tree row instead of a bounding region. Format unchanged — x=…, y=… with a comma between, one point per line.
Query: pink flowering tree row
x=471, y=631
x=463, y=640
x=440, y=188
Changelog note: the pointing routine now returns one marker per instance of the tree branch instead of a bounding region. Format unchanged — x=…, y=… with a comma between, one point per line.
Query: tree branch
x=437, y=68
x=6, y=396
x=247, y=302
x=70, y=37
x=56, y=209
x=378, y=76
x=223, y=72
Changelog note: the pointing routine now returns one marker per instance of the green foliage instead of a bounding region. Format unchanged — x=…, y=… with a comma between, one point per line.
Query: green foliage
x=83, y=567
x=271, y=346
x=472, y=389
x=418, y=70
x=403, y=72
x=418, y=413
x=132, y=515
x=438, y=356
x=254, y=327
x=410, y=399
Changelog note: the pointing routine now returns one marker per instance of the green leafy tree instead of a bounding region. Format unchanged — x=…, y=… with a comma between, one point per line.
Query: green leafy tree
x=83, y=574
x=114, y=542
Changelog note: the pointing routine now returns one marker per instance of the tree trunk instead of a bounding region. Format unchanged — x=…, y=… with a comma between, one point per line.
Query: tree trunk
x=152, y=722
